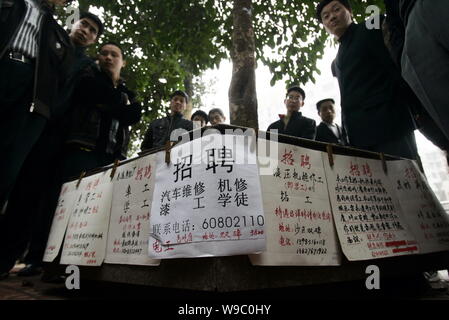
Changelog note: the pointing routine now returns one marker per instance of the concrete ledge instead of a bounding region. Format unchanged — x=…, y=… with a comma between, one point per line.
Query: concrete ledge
x=227, y=274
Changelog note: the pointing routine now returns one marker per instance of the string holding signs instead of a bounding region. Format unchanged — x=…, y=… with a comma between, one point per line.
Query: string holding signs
x=129, y=228
x=85, y=240
x=367, y=214
x=207, y=200
x=424, y=213
x=67, y=197
x=299, y=223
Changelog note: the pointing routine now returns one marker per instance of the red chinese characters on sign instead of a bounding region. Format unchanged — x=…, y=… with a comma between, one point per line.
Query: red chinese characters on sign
x=285, y=242
x=284, y=228
x=360, y=170
x=256, y=232
x=366, y=170
x=157, y=247
x=144, y=173
x=185, y=238
x=225, y=235
x=306, y=214
x=354, y=170
x=287, y=158
x=92, y=185
x=77, y=225
x=305, y=161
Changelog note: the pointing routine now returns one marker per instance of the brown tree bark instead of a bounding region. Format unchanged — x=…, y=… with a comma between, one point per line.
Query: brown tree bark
x=242, y=91
x=188, y=85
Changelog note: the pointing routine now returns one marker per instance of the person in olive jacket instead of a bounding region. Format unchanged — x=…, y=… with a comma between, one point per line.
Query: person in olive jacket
x=160, y=130
x=102, y=111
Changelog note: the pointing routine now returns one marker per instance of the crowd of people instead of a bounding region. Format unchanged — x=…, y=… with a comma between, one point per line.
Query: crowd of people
x=64, y=113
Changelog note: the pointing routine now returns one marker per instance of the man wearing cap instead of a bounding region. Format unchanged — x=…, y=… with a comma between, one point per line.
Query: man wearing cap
x=35, y=56
x=160, y=130
x=375, y=112
x=294, y=123
x=327, y=130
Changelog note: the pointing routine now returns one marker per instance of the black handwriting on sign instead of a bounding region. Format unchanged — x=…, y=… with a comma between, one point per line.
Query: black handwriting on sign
x=185, y=167
x=220, y=156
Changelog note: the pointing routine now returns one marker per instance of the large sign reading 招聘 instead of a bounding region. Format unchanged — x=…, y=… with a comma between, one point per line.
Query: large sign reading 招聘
x=207, y=200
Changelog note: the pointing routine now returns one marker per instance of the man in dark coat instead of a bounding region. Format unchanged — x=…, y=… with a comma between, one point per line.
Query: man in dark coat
x=103, y=109
x=294, y=123
x=327, y=130
x=394, y=36
x=42, y=187
x=375, y=114
x=161, y=130
x=425, y=57
x=35, y=57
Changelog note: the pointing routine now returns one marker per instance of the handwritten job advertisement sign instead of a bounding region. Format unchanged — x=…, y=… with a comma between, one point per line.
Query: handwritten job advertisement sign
x=207, y=200
x=367, y=213
x=129, y=229
x=85, y=240
x=67, y=197
x=422, y=210
x=299, y=222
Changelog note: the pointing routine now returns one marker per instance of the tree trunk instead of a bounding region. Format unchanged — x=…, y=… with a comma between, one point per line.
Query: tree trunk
x=83, y=5
x=188, y=85
x=242, y=91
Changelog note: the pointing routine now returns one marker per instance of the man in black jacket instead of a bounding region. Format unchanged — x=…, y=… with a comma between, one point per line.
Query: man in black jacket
x=103, y=109
x=35, y=57
x=425, y=56
x=29, y=222
x=375, y=114
x=171, y=127
x=293, y=123
x=394, y=36
x=327, y=130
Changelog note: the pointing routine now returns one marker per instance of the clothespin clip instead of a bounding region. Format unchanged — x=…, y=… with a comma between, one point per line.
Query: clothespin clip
x=83, y=174
x=114, y=168
x=168, y=146
x=330, y=155
x=384, y=163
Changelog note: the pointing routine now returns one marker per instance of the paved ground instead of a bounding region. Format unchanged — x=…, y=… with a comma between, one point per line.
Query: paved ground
x=33, y=288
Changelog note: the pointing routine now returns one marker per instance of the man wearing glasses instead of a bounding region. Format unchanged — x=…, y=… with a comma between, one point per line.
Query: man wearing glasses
x=294, y=123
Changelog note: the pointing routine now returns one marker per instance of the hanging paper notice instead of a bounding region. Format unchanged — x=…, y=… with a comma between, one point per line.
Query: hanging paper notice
x=85, y=240
x=422, y=210
x=130, y=214
x=67, y=197
x=367, y=214
x=299, y=222
x=209, y=198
